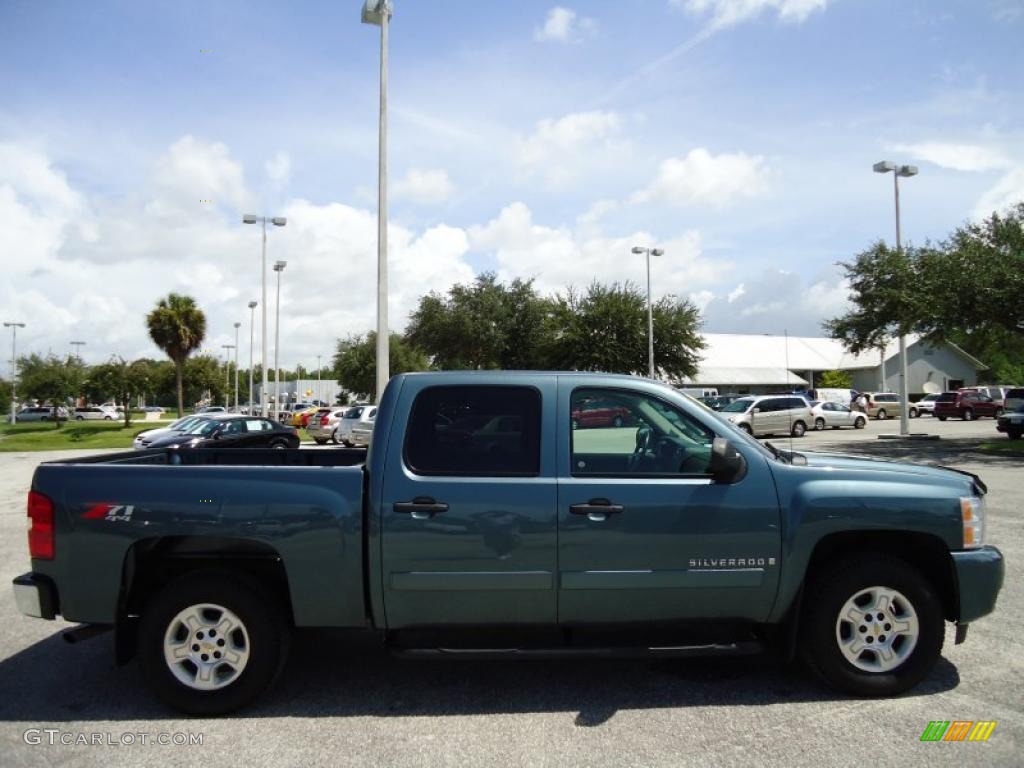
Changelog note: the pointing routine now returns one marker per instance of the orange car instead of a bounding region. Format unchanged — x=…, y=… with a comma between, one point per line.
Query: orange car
x=301, y=418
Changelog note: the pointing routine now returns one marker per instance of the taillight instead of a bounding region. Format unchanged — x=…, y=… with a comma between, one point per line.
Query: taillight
x=40, y=533
x=324, y=421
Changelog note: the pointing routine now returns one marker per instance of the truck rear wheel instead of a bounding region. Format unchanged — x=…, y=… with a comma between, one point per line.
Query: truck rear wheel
x=873, y=626
x=210, y=642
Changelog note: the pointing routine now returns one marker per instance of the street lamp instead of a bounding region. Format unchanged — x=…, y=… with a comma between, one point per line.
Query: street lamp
x=379, y=12
x=14, y=367
x=78, y=348
x=279, y=268
x=277, y=221
x=319, y=391
x=227, y=373
x=650, y=311
x=252, y=323
x=236, y=366
x=897, y=171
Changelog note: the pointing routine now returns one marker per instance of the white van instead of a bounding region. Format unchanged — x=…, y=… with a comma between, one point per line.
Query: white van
x=841, y=396
x=770, y=415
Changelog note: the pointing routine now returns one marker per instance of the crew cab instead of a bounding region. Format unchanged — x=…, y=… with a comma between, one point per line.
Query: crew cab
x=481, y=523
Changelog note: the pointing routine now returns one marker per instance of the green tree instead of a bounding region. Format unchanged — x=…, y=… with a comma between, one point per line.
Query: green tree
x=51, y=380
x=969, y=284
x=120, y=380
x=482, y=325
x=605, y=329
x=177, y=326
x=204, y=378
x=5, y=395
x=355, y=362
x=833, y=380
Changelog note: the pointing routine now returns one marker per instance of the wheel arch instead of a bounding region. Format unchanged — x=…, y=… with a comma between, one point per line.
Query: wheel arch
x=151, y=564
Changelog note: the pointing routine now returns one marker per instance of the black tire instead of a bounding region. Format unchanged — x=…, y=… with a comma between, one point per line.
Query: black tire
x=881, y=415
x=969, y=414
x=264, y=624
x=278, y=445
x=108, y=418
x=826, y=596
x=819, y=424
x=746, y=428
x=320, y=440
x=998, y=413
x=913, y=413
x=860, y=422
x=334, y=437
x=79, y=418
x=799, y=429
x=943, y=418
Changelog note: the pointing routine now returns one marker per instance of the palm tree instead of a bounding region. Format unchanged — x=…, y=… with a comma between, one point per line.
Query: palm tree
x=177, y=326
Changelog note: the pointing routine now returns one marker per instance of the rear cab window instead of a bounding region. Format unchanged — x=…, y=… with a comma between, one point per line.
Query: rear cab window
x=474, y=430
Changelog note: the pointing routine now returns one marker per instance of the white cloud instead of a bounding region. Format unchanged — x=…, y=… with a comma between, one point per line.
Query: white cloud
x=558, y=257
x=561, y=149
x=193, y=169
x=279, y=168
x=725, y=13
x=424, y=186
x=778, y=301
x=563, y=25
x=701, y=177
x=958, y=157
x=1008, y=191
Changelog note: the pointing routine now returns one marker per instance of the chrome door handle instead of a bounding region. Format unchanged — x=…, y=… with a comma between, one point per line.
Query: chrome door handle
x=420, y=508
x=596, y=510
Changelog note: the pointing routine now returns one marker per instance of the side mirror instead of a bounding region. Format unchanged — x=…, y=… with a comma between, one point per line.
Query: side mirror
x=727, y=464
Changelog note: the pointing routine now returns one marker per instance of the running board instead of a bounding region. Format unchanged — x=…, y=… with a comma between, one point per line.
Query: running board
x=742, y=648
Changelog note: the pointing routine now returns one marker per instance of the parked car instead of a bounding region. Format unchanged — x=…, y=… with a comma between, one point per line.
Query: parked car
x=1014, y=398
x=323, y=425
x=718, y=402
x=362, y=430
x=352, y=415
x=231, y=431
x=152, y=409
x=770, y=415
x=855, y=564
x=599, y=413
x=966, y=404
x=145, y=439
x=301, y=417
x=94, y=413
x=212, y=409
x=41, y=413
x=887, y=405
x=1012, y=423
x=995, y=391
x=835, y=415
x=926, y=405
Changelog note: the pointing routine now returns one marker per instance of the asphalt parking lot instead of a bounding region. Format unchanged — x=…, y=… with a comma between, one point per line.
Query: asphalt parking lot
x=344, y=701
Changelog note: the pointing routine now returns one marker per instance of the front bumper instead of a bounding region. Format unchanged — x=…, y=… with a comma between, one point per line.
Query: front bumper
x=979, y=575
x=35, y=596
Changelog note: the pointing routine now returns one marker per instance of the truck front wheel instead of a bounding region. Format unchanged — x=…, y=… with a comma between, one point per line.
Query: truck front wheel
x=210, y=642
x=873, y=626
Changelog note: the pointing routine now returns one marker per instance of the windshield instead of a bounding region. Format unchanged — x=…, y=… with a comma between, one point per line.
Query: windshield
x=204, y=427
x=738, y=406
x=184, y=423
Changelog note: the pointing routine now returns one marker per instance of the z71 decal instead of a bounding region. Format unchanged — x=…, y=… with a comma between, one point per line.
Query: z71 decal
x=112, y=513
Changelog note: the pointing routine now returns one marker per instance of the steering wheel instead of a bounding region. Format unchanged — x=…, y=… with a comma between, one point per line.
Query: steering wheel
x=644, y=438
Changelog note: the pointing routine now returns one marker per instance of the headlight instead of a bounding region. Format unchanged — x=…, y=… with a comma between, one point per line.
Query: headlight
x=972, y=514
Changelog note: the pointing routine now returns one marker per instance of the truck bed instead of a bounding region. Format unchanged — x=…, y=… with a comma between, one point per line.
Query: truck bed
x=255, y=457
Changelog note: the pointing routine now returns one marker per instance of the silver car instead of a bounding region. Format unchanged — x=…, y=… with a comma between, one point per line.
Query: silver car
x=352, y=414
x=323, y=425
x=770, y=415
x=836, y=415
x=362, y=430
x=40, y=413
x=94, y=413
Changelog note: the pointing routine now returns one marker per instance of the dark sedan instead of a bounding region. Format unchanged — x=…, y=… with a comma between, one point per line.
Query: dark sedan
x=232, y=432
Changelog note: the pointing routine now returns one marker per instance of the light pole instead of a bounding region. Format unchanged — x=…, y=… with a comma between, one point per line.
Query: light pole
x=236, y=366
x=650, y=311
x=78, y=348
x=319, y=392
x=227, y=373
x=897, y=171
x=277, y=221
x=14, y=368
x=379, y=12
x=279, y=268
x=252, y=323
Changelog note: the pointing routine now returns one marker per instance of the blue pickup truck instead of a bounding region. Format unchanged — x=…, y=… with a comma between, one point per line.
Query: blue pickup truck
x=512, y=515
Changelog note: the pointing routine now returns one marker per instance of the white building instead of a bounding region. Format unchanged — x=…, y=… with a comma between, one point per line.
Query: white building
x=302, y=390
x=755, y=364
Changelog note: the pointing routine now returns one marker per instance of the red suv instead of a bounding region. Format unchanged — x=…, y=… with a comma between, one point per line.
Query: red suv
x=967, y=404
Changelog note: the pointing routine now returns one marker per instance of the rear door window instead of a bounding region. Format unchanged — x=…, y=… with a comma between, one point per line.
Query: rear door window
x=491, y=431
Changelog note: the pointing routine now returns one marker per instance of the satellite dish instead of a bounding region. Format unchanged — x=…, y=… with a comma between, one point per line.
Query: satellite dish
x=931, y=388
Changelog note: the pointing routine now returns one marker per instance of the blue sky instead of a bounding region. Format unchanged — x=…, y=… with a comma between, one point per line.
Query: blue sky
x=532, y=138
